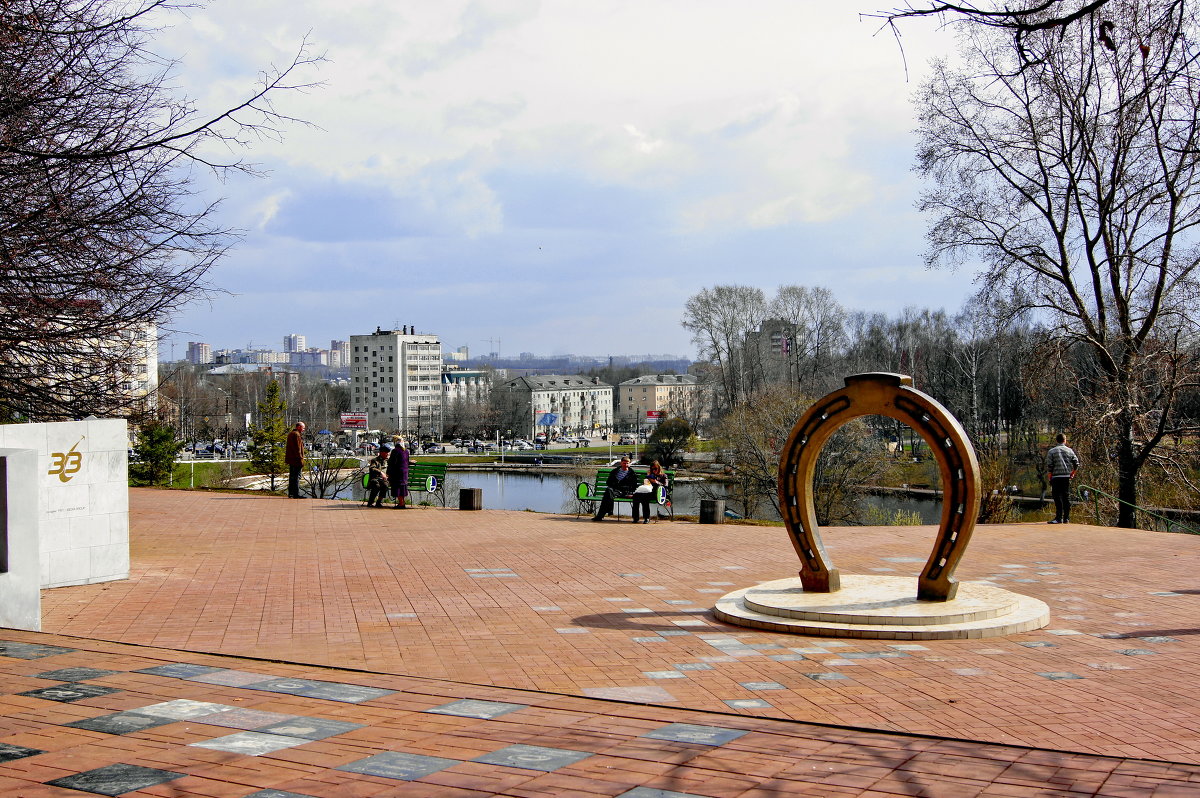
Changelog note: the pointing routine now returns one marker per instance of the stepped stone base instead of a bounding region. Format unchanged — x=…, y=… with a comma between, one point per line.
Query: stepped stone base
x=882, y=607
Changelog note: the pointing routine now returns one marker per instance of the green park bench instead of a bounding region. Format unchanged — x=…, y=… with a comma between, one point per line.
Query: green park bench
x=424, y=478
x=428, y=478
x=589, y=494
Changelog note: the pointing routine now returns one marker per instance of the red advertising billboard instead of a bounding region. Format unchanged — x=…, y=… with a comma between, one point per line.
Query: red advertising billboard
x=655, y=414
x=354, y=420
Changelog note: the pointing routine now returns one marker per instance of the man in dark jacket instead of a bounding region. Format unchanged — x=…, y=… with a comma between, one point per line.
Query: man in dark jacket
x=293, y=455
x=622, y=481
x=1061, y=465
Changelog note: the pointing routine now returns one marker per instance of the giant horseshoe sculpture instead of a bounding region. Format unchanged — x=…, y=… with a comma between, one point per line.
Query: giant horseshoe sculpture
x=890, y=395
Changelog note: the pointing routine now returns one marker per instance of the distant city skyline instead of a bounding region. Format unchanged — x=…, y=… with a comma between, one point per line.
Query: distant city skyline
x=175, y=353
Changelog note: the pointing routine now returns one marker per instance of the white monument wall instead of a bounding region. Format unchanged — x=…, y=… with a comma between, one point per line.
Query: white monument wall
x=20, y=593
x=83, y=471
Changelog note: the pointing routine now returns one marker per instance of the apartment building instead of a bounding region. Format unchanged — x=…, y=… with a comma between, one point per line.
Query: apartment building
x=572, y=403
x=668, y=394
x=199, y=353
x=395, y=377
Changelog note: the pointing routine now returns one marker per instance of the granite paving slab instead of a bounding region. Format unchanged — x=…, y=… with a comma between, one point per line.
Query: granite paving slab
x=116, y=779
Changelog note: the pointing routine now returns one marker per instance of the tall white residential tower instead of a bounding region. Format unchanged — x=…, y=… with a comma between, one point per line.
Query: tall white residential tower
x=395, y=376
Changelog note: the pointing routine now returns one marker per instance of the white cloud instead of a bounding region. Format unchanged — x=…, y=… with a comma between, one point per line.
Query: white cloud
x=455, y=138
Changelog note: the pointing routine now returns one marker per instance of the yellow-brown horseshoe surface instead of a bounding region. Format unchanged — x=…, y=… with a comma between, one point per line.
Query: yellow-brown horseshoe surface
x=890, y=395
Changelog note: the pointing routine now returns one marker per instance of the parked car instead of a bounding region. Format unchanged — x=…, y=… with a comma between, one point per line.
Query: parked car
x=627, y=440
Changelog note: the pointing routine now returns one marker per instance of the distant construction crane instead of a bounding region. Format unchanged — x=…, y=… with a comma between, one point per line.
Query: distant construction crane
x=494, y=343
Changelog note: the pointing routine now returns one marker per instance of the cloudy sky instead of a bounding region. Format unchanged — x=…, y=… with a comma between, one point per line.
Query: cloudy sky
x=560, y=176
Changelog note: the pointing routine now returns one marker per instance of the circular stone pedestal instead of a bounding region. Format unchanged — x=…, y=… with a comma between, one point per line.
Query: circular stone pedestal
x=882, y=607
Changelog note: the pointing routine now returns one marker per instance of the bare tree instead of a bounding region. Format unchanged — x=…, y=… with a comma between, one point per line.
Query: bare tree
x=719, y=319
x=818, y=333
x=1074, y=176
x=1019, y=21
x=753, y=434
x=100, y=230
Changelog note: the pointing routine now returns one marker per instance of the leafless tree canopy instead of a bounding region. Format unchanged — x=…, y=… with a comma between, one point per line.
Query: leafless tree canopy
x=1074, y=177
x=100, y=228
x=1018, y=20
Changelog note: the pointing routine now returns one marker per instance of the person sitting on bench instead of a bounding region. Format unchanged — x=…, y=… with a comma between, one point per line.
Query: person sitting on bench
x=622, y=481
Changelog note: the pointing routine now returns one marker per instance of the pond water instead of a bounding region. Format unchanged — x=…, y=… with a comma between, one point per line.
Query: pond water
x=553, y=493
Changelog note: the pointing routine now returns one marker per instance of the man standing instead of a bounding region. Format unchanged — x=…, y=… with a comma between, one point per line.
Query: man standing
x=1061, y=465
x=293, y=455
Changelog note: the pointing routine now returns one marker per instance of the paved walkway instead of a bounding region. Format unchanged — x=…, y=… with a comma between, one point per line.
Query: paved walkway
x=532, y=619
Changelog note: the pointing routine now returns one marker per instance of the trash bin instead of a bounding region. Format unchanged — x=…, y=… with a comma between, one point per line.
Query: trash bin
x=712, y=511
x=470, y=498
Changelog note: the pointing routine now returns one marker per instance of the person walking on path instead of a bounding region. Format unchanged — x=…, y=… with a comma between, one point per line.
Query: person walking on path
x=1061, y=465
x=397, y=471
x=293, y=455
x=622, y=481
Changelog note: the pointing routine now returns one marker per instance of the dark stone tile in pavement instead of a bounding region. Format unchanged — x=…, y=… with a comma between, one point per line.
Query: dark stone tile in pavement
x=119, y=723
x=346, y=693
x=74, y=674
x=10, y=752
x=67, y=693
x=395, y=765
x=650, y=792
x=17, y=650
x=470, y=708
x=278, y=794
x=692, y=733
x=826, y=677
x=178, y=670
x=116, y=779
x=330, y=691
x=533, y=757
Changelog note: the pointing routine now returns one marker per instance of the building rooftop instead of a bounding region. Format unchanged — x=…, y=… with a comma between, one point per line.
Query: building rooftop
x=661, y=379
x=552, y=382
x=524, y=654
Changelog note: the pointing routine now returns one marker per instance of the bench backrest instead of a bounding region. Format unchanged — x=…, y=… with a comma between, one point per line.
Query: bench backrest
x=427, y=477
x=602, y=476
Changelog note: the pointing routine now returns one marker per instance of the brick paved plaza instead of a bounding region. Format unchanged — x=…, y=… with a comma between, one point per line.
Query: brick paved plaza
x=277, y=648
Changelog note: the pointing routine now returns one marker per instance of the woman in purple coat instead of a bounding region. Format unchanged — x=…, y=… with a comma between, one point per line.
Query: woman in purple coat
x=397, y=471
